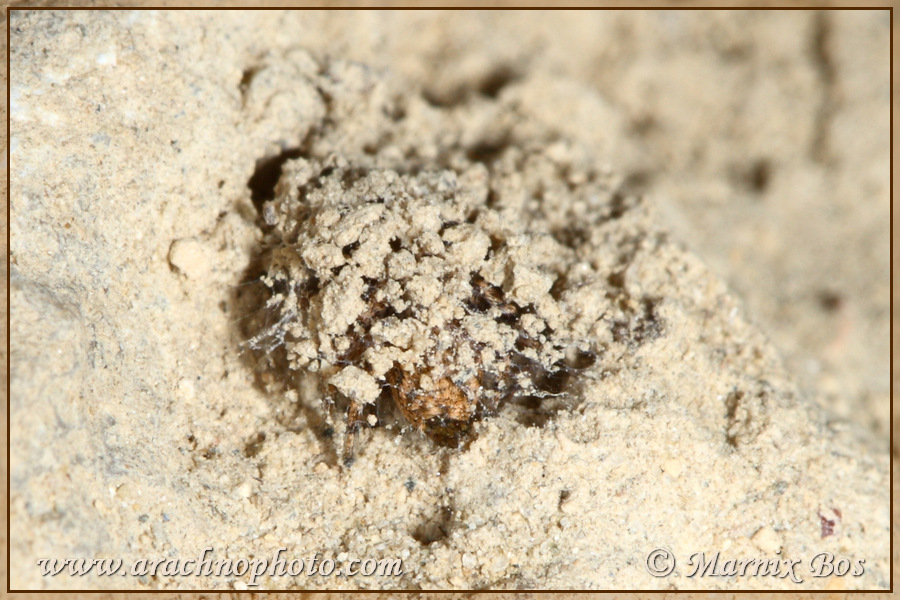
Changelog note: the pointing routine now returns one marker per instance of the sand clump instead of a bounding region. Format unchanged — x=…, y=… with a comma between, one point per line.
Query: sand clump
x=448, y=291
x=240, y=233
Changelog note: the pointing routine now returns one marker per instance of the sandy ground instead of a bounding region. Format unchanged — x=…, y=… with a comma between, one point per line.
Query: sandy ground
x=753, y=421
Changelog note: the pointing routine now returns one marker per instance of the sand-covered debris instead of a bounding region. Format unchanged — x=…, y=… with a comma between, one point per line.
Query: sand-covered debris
x=444, y=291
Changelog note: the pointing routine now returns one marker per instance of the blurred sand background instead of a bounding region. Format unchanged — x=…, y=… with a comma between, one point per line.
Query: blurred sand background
x=761, y=138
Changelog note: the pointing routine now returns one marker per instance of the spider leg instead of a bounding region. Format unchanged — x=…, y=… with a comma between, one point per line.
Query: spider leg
x=354, y=420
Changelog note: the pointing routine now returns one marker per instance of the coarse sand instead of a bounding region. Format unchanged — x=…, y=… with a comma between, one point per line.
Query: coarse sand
x=640, y=261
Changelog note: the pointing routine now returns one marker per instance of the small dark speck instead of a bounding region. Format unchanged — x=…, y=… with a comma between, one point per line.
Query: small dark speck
x=827, y=526
x=829, y=301
x=759, y=175
x=754, y=176
x=410, y=485
x=144, y=518
x=165, y=518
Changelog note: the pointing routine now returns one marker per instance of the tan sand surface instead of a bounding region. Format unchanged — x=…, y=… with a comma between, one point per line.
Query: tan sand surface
x=707, y=195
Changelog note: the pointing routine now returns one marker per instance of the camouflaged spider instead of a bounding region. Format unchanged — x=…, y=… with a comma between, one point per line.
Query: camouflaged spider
x=408, y=291
x=447, y=408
